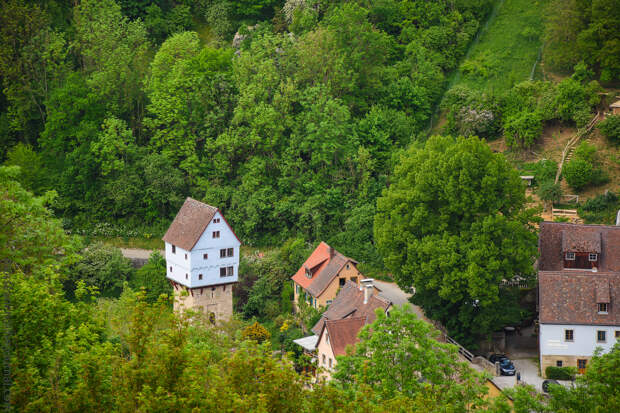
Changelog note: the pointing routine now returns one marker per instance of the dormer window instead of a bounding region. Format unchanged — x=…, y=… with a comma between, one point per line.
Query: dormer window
x=603, y=308
x=570, y=256
x=593, y=257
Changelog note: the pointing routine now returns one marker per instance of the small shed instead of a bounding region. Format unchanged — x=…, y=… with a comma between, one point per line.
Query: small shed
x=615, y=108
x=529, y=179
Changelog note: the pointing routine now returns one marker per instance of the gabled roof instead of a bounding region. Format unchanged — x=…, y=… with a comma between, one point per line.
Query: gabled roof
x=190, y=223
x=350, y=303
x=555, y=236
x=323, y=265
x=342, y=333
x=572, y=297
x=579, y=241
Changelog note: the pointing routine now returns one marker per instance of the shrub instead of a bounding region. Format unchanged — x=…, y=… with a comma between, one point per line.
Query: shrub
x=610, y=128
x=578, y=173
x=255, y=332
x=545, y=170
x=600, y=210
x=522, y=129
x=561, y=373
x=550, y=191
x=152, y=277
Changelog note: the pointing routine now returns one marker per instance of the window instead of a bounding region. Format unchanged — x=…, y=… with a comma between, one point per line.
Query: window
x=593, y=257
x=186, y=276
x=205, y=256
x=216, y=220
x=323, y=359
x=185, y=256
x=327, y=338
x=328, y=302
x=347, y=266
x=230, y=252
x=223, y=253
x=330, y=362
x=570, y=256
x=226, y=271
x=200, y=276
x=171, y=268
x=617, y=334
x=558, y=363
x=354, y=279
x=601, y=336
x=568, y=335
x=174, y=249
x=226, y=252
x=216, y=234
x=602, y=308
x=342, y=281
x=581, y=363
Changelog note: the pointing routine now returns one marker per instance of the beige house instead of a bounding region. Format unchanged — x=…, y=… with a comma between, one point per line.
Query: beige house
x=335, y=337
x=321, y=276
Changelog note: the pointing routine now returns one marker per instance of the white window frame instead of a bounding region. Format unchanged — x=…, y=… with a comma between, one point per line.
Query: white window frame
x=601, y=311
x=572, y=334
x=592, y=257
x=598, y=332
x=570, y=256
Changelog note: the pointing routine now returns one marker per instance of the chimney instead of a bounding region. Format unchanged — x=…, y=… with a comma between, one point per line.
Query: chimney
x=368, y=289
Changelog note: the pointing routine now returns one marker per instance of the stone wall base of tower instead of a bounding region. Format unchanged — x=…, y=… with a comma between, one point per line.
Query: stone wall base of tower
x=214, y=301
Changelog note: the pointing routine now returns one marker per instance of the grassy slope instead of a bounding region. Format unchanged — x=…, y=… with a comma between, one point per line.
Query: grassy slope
x=504, y=53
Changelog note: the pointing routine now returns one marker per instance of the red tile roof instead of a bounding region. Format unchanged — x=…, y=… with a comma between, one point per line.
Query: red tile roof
x=350, y=303
x=322, y=267
x=572, y=297
x=343, y=333
x=555, y=237
x=190, y=223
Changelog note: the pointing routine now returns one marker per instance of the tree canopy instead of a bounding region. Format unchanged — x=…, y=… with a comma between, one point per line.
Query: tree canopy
x=453, y=224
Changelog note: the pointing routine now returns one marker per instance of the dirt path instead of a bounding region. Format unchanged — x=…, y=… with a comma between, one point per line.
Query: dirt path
x=137, y=253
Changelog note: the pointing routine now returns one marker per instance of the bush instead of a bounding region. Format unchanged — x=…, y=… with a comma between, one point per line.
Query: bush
x=255, y=332
x=152, y=277
x=601, y=209
x=102, y=266
x=561, y=373
x=610, y=128
x=578, y=173
x=545, y=170
x=522, y=129
x=550, y=191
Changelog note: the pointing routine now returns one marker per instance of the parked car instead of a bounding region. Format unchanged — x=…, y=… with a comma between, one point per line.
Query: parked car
x=493, y=358
x=546, y=383
x=506, y=368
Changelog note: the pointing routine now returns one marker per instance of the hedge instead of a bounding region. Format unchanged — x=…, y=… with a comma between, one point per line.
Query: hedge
x=561, y=373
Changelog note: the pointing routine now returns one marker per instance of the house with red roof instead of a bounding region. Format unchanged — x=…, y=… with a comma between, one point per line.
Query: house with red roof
x=579, y=292
x=322, y=275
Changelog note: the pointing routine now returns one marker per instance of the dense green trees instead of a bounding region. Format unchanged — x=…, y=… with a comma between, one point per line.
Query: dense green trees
x=453, y=224
x=584, y=30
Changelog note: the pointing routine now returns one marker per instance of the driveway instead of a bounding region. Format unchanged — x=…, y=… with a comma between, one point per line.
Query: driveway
x=392, y=292
x=529, y=372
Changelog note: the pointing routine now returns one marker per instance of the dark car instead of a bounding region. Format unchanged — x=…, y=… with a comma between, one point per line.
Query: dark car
x=546, y=383
x=506, y=368
x=493, y=358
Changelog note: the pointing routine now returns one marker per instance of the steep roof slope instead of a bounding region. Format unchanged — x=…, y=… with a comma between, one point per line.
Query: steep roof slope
x=555, y=237
x=343, y=333
x=571, y=297
x=189, y=224
x=323, y=265
x=350, y=303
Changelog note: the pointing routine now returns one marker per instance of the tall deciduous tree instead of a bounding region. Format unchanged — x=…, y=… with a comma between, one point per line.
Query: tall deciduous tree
x=400, y=355
x=453, y=224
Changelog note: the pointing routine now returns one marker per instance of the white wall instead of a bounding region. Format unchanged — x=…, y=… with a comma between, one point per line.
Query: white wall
x=209, y=268
x=584, y=339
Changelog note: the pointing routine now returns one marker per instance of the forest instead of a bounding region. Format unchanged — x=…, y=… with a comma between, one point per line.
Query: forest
x=361, y=123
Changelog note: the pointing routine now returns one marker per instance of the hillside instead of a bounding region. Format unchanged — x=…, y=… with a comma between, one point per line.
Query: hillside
x=506, y=49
